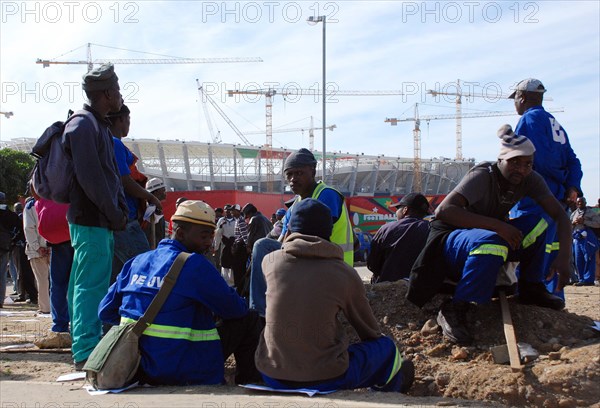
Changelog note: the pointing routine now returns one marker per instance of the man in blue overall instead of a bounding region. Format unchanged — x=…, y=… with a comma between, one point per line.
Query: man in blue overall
x=554, y=160
x=184, y=345
x=472, y=238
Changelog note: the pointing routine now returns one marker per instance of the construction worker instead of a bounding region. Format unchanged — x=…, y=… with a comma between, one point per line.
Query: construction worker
x=183, y=345
x=471, y=238
x=554, y=159
x=300, y=169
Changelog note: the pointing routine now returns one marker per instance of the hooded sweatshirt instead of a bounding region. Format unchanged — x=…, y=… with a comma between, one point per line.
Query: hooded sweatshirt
x=308, y=284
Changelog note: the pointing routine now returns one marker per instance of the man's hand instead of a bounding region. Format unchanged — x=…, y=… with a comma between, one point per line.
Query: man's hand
x=513, y=236
x=155, y=201
x=562, y=267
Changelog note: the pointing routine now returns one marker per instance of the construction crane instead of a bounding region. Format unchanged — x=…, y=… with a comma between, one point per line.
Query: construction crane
x=311, y=132
x=7, y=114
x=171, y=60
x=459, y=94
x=269, y=93
x=216, y=138
x=417, y=133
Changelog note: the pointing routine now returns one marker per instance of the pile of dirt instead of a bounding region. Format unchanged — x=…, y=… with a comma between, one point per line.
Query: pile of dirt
x=566, y=374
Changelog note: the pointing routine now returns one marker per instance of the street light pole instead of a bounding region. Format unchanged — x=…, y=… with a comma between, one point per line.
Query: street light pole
x=312, y=20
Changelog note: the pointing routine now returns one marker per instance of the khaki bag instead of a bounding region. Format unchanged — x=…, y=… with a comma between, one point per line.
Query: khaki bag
x=116, y=358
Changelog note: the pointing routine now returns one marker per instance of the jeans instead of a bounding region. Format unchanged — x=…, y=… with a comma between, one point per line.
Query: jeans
x=61, y=260
x=128, y=243
x=258, y=285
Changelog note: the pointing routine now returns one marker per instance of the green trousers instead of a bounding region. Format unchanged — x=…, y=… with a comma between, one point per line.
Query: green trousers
x=90, y=276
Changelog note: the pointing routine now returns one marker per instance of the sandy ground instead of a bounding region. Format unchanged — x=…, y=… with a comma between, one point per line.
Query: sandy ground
x=566, y=374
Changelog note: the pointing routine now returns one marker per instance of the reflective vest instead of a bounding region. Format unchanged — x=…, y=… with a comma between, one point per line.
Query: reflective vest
x=342, y=230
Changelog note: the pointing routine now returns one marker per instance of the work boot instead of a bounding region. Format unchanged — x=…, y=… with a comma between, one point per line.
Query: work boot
x=452, y=318
x=54, y=340
x=407, y=370
x=535, y=293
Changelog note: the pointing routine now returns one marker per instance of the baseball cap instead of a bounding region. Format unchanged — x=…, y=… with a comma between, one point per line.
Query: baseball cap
x=280, y=212
x=416, y=201
x=528, y=85
x=236, y=207
x=154, y=184
x=196, y=212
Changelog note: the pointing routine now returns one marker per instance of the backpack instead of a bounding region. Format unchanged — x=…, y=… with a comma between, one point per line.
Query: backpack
x=52, y=175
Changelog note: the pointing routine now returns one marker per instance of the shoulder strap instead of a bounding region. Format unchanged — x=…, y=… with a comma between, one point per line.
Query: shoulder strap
x=86, y=114
x=164, y=291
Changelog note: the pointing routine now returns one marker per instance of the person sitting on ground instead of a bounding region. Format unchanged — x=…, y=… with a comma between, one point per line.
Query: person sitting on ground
x=182, y=345
x=471, y=238
x=585, y=243
x=396, y=245
x=308, y=284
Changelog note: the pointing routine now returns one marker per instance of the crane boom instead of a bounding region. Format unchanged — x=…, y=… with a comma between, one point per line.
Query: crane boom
x=47, y=63
x=224, y=116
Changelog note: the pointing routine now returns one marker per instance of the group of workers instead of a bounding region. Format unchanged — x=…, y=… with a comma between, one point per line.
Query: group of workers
x=287, y=334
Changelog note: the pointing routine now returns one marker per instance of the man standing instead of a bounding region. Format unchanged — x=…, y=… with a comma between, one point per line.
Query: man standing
x=585, y=243
x=131, y=241
x=300, y=169
x=471, y=238
x=554, y=158
x=9, y=226
x=184, y=345
x=239, y=251
x=156, y=187
x=259, y=226
x=396, y=245
x=37, y=252
x=224, y=237
x=303, y=344
x=97, y=207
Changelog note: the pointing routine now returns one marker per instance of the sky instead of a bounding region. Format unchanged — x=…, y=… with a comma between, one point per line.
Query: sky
x=407, y=47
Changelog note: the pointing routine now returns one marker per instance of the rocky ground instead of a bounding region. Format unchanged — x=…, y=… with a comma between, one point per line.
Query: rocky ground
x=566, y=374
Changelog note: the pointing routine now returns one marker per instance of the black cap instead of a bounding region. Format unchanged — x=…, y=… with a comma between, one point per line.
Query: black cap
x=301, y=158
x=311, y=217
x=414, y=201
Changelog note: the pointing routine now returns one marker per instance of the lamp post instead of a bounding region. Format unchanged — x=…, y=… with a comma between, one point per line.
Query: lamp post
x=312, y=21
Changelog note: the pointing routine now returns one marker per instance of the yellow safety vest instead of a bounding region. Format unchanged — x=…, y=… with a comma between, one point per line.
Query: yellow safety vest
x=342, y=230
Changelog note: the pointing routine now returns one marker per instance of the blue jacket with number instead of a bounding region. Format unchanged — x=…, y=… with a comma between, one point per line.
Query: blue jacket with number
x=554, y=158
x=182, y=345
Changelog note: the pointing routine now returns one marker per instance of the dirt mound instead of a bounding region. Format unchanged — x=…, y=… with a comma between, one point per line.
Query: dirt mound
x=566, y=374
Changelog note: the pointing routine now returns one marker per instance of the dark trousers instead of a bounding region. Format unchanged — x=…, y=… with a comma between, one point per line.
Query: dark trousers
x=240, y=338
x=239, y=271
x=26, y=278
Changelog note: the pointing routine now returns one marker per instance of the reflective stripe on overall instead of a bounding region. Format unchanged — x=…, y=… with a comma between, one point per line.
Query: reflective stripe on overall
x=177, y=333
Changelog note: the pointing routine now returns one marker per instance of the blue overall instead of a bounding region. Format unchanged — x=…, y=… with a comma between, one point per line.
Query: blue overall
x=557, y=163
x=584, y=251
x=477, y=255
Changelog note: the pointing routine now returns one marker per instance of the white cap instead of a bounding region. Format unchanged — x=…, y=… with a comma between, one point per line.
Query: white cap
x=154, y=184
x=528, y=85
